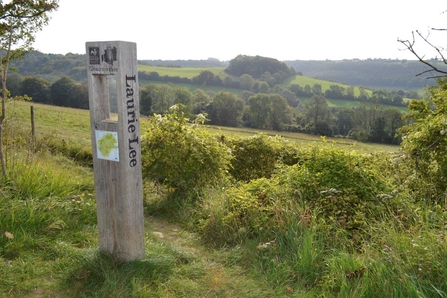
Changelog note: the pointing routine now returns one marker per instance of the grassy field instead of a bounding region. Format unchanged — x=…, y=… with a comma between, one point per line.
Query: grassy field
x=55, y=121
x=303, y=81
x=302, y=139
x=183, y=72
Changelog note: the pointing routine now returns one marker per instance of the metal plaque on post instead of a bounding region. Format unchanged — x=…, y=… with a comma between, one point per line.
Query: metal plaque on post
x=116, y=147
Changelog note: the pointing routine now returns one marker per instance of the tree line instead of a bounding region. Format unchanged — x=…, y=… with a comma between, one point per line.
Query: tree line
x=372, y=73
x=262, y=107
x=64, y=92
x=369, y=122
x=272, y=109
x=267, y=83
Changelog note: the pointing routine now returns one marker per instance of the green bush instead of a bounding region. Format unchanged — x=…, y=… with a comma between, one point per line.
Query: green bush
x=183, y=156
x=258, y=156
x=341, y=187
x=344, y=185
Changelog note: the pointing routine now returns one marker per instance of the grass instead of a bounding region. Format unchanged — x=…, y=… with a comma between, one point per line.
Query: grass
x=49, y=245
x=53, y=122
x=304, y=139
x=53, y=252
x=48, y=233
x=183, y=72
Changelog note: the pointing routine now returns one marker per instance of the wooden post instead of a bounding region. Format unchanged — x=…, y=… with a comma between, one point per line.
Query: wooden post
x=33, y=129
x=116, y=149
x=33, y=123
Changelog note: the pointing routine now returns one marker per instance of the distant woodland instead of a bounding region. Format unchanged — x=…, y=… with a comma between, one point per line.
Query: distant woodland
x=372, y=111
x=370, y=73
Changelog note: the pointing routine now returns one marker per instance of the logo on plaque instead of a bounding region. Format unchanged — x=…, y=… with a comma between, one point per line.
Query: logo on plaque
x=93, y=53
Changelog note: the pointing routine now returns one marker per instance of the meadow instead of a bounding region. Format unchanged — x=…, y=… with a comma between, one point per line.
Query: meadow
x=183, y=72
x=293, y=216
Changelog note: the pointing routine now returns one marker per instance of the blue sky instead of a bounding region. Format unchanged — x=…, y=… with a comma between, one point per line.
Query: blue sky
x=281, y=29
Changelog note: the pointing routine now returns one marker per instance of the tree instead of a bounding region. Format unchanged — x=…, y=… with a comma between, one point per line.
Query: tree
x=246, y=82
x=317, y=89
x=334, y=91
x=79, y=96
x=268, y=78
x=227, y=109
x=350, y=91
x=20, y=20
x=162, y=97
x=279, y=112
x=316, y=110
x=291, y=98
x=256, y=66
x=297, y=89
x=64, y=92
x=363, y=95
x=263, y=87
x=424, y=139
x=367, y=115
x=14, y=83
x=183, y=96
x=259, y=110
x=36, y=88
x=307, y=90
x=199, y=101
x=344, y=121
x=206, y=77
x=145, y=101
x=394, y=121
x=61, y=91
x=378, y=133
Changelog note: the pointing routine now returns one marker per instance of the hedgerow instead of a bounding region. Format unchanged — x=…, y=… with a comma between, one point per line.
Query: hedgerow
x=342, y=187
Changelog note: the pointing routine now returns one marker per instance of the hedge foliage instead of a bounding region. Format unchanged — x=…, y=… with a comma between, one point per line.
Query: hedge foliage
x=182, y=156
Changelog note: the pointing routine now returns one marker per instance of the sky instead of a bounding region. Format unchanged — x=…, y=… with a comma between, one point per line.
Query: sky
x=280, y=29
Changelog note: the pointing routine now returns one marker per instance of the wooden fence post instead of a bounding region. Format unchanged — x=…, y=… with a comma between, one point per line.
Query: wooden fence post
x=116, y=149
x=33, y=129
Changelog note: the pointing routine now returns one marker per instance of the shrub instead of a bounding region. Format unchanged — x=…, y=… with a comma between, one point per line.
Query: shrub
x=344, y=185
x=181, y=155
x=258, y=156
x=343, y=188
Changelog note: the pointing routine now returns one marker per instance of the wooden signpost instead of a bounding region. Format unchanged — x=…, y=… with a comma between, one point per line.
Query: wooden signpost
x=116, y=148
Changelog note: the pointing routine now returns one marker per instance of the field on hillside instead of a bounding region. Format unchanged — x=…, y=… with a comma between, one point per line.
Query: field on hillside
x=303, y=81
x=182, y=72
x=52, y=121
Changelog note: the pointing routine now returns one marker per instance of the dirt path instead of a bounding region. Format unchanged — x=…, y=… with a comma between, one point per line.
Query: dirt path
x=206, y=271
